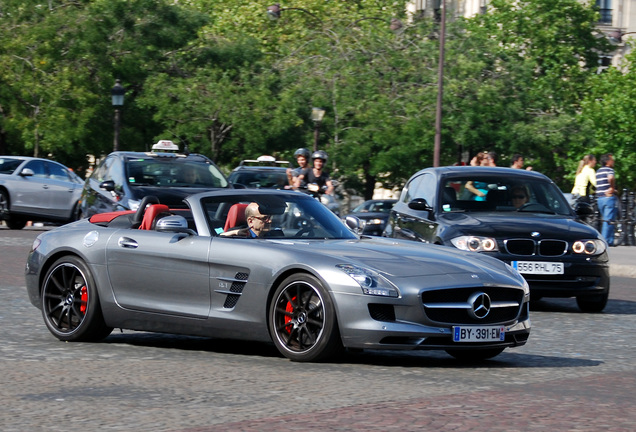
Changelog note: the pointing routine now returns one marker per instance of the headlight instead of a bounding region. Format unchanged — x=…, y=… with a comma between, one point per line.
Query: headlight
x=371, y=282
x=589, y=247
x=375, y=222
x=475, y=243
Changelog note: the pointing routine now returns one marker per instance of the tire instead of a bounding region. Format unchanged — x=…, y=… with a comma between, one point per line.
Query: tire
x=302, y=320
x=70, y=303
x=592, y=304
x=13, y=222
x=4, y=205
x=475, y=355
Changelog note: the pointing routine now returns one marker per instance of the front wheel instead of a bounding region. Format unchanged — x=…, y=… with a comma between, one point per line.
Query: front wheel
x=70, y=303
x=592, y=304
x=302, y=320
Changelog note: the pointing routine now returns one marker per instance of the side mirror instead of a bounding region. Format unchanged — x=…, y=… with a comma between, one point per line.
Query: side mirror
x=175, y=224
x=354, y=224
x=27, y=172
x=583, y=209
x=420, y=204
x=108, y=185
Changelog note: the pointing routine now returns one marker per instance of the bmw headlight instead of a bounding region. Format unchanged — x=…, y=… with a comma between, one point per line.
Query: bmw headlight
x=371, y=282
x=475, y=243
x=589, y=247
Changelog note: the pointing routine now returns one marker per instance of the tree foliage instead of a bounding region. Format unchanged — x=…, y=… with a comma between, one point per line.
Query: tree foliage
x=223, y=79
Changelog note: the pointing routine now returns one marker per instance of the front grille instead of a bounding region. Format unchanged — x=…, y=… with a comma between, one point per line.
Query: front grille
x=529, y=247
x=452, y=306
x=520, y=246
x=552, y=247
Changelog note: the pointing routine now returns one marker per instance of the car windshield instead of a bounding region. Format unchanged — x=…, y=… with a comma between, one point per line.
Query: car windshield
x=292, y=215
x=496, y=194
x=378, y=206
x=270, y=179
x=8, y=165
x=173, y=172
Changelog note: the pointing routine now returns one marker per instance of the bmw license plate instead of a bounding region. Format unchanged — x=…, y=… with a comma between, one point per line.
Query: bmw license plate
x=478, y=334
x=538, y=267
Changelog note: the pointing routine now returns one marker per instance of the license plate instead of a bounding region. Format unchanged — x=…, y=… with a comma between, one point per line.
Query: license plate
x=538, y=267
x=478, y=334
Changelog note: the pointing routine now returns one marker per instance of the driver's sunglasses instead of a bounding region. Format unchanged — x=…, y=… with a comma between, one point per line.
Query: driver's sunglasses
x=518, y=197
x=263, y=218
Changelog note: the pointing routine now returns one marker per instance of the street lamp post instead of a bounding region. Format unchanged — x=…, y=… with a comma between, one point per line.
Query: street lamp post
x=317, y=114
x=440, y=87
x=117, y=93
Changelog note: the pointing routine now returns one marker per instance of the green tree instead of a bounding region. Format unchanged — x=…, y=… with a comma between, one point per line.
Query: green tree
x=609, y=108
x=59, y=63
x=544, y=52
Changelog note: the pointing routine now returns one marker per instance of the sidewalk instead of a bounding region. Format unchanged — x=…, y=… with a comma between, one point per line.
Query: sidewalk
x=623, y=261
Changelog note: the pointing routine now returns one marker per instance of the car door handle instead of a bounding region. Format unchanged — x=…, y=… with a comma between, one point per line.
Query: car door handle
x=45, y=186
x=126, y=242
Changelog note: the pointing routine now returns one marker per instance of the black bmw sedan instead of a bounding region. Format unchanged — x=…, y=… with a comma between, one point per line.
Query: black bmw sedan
x=520, y=217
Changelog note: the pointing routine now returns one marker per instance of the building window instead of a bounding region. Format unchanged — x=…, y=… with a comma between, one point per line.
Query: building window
x=605, y=9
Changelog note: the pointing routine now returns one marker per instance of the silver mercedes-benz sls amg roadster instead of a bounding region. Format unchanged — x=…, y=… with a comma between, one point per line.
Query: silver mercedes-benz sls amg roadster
x=266, y=265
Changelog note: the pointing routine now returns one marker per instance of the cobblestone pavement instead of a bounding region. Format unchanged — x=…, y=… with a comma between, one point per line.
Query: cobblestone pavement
x=577, y=373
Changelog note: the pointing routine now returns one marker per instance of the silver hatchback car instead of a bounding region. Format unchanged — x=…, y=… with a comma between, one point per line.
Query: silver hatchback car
x=37, y=189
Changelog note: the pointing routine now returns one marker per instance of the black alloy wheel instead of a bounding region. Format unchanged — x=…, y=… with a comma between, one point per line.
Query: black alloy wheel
x=70, y=304
x=303, y=321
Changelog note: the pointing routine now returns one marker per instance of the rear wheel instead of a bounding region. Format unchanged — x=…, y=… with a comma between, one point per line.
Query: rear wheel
x=13, y=222
x=70, y=303
x=302, y=320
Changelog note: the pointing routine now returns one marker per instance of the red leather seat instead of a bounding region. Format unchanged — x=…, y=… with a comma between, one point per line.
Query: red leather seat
x=235, y=217
x=150, y=215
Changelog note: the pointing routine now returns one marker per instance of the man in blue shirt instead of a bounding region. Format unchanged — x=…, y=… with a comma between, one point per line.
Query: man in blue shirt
x=606, y=196
x=257, y=224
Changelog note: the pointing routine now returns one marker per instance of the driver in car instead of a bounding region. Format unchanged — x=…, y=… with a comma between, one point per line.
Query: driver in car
x=519, y=196
x=257, y=224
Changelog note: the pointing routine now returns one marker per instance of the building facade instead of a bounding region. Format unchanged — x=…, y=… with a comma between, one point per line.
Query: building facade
x=617, y=20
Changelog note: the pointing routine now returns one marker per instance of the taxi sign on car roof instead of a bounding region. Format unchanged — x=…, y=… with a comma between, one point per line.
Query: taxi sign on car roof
x=165, y=145
x=264, y=160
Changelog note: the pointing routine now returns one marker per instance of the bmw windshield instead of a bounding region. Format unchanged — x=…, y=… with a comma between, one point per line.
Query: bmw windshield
x=497, y=194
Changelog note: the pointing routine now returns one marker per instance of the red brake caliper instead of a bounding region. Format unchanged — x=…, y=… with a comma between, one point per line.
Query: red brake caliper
x=289, y=309
x=83, y=299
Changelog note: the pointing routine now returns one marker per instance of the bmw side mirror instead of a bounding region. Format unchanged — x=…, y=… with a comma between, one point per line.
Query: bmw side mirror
x=108, y=185
x=583, y=210
x=420, y=204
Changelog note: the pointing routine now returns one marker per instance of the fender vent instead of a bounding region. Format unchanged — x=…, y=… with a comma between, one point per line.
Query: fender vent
x=235, y=291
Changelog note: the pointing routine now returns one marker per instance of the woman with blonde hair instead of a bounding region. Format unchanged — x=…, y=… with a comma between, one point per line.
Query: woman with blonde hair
x=585, y=177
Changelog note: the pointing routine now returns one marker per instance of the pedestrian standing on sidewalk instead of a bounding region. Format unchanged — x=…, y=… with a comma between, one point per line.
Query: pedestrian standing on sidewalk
x=606, y=196
x=585, y=180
